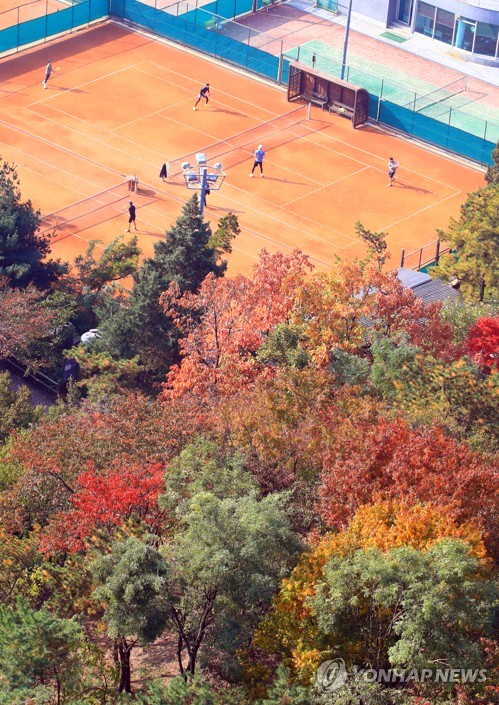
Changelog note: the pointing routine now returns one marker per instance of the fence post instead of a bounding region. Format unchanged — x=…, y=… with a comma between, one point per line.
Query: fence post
x=379, y=110
x=402, y=258
x=279, y=68
x=18, y=24
x=437, y=252
x=420, y=257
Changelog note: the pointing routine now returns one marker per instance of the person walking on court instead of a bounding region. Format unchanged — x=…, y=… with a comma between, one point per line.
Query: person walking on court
x=163, y=174
x=203, y=93
x=131, y=217
x=392, y=169
x=259, y=155
x=48, y=73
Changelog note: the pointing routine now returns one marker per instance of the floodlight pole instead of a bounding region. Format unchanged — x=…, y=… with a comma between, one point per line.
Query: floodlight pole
x=345, y=41
x=204, y=182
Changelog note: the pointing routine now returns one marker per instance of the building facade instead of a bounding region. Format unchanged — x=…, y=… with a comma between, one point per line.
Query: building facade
x=469, y=27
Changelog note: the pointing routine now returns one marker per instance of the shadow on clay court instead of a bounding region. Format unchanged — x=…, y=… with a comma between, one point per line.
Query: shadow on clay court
x=214, y=109
x=282, y=181
x=410, y=187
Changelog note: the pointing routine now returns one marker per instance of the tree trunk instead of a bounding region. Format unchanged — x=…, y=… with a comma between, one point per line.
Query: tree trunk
x=124, y=650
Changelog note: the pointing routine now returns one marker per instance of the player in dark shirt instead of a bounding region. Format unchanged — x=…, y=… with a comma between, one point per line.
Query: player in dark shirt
x=203, y=93
x=131, y=217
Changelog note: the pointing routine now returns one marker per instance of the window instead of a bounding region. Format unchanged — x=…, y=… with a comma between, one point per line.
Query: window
x=444, y=26
x=464, y=35
x=425, y=19
x=486, y=39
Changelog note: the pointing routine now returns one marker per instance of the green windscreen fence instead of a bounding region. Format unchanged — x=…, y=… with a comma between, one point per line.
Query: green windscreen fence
x=21, y=33
x=202, y=28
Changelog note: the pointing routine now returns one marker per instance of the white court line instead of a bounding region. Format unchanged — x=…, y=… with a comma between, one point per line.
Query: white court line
x=422, y=210
x=216, y=91
x=52, y=166
x=49, y=96
x=328, y=137
x=287, y=225
x=376, y=156
x=330, y=183
x=56, y=146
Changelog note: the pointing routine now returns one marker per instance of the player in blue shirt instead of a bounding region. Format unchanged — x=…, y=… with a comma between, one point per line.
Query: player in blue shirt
x=259, y=155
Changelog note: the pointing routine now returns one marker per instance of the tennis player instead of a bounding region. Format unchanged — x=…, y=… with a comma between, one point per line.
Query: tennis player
x=48, y=73
x=131, y=217
x=392, y=170
x=203, y=93
x=259, y=155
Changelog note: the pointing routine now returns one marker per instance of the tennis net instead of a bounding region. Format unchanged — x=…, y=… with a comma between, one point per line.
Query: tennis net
x=439, y=95
x=88, y=212
x=272, y=133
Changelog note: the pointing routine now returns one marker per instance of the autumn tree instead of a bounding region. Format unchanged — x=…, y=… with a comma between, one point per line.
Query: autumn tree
x=482, y=342
x=331, y=307
x=23, y=250
x=391, y=459
x=72, y=440
x=397, y=310
x=104, y=501
x=474, y=241
x=225, y=323
x=292, y=628
x=24, y=321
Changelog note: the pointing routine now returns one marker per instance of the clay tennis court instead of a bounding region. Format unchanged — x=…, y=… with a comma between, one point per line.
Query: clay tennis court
x=121, y=103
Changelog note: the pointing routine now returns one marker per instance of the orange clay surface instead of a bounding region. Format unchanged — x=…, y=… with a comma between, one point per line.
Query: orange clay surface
x=121, y=104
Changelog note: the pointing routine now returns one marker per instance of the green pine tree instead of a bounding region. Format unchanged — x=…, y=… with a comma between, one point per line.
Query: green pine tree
x=139, y=326
x=23, y=250
x=492, y=175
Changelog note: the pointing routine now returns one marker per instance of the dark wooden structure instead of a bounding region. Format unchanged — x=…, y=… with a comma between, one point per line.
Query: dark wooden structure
x=328, y=92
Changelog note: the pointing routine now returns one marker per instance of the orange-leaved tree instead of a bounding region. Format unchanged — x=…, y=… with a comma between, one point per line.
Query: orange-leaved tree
x=292, y=630
x=390, y=458
x=224, y=324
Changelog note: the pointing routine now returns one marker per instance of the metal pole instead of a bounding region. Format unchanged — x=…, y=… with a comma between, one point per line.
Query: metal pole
x=402, y=258
x=345, y=41
x=203, y=189
x=279, y=68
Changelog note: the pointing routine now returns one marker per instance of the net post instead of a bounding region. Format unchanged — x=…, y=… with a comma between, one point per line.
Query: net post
x=402, y=258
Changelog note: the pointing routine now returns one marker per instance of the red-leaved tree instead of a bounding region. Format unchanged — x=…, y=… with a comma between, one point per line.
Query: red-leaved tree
x=482, y=342
x=388, y=459
x=104, y=501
